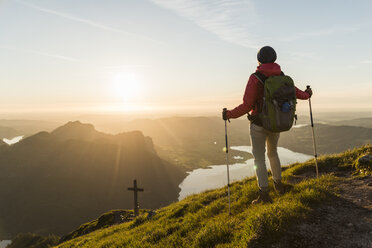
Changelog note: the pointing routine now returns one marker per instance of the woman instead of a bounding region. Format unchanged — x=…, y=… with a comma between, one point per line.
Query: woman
x=253, y=98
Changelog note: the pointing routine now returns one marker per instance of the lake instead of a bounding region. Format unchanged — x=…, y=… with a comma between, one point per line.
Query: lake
x=4, y=243
x=13, y=140
x=215, y=176
x=300, y=125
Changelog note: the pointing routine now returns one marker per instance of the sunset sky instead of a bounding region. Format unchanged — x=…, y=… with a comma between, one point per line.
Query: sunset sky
x=178, y=55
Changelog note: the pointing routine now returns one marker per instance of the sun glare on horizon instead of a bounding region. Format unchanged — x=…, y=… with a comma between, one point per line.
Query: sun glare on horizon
x=126, y=86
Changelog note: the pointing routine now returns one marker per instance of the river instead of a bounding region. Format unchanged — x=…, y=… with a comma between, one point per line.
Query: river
x=215, y=176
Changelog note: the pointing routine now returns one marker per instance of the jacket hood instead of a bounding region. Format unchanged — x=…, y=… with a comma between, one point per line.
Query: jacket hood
x=269, y=69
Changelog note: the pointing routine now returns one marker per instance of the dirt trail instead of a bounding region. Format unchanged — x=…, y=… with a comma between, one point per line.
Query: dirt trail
x=346, y=222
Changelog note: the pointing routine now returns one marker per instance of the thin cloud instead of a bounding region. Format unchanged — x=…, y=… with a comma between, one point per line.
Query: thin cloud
x=305, y=55
x=230, y=20
x=366, y=62
x=56, y=56
x=50, y=55
x=322, y=32
x=71, y=17
x=85, y=21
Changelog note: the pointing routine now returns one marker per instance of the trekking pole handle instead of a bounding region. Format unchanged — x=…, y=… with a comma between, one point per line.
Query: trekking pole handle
x=227, y=146
x=224, y=110
x=307, y=86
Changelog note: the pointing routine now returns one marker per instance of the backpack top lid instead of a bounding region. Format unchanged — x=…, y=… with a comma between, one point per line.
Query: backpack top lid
x=262, y=78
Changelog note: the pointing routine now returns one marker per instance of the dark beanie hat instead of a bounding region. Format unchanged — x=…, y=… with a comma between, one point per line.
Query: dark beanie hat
x=266, y=54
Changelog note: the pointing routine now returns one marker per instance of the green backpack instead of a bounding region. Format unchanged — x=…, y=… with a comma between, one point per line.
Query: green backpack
x=277, y=112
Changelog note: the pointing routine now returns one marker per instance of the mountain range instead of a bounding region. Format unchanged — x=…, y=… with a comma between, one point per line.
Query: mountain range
x=25, y=127
x=358, y=122
x=52, y=182
x=8, y=132
x=329, y=139
x=195, y=142
x=191, y=142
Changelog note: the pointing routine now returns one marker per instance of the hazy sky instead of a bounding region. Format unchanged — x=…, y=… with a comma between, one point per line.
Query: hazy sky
x=68, y=55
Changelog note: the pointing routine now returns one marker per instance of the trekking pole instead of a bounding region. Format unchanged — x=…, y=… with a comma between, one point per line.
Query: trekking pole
x=314, y=144
x=227, y=164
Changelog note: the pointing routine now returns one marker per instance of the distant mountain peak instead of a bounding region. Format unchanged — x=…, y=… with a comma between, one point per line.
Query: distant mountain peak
x=76, y=130
x=76, y=124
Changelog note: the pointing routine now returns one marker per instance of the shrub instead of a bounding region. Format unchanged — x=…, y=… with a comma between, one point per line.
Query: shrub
x=30, y=240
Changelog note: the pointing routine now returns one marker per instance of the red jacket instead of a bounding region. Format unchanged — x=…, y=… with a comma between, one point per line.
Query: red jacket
x=254, y=92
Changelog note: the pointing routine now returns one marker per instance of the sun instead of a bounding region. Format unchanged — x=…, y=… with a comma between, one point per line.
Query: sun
x=126, y=86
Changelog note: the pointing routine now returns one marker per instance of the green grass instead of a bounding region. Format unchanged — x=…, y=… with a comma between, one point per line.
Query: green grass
x=202, y=220
x=329, y=163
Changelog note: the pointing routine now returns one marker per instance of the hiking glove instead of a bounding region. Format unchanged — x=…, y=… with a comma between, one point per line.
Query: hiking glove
x=224, y=115
x=309, y=91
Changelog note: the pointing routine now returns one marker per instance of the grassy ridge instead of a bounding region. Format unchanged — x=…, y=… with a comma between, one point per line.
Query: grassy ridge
x=202, y=220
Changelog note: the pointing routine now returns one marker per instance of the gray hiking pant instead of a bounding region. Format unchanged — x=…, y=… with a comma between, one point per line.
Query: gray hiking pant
x=259, y=138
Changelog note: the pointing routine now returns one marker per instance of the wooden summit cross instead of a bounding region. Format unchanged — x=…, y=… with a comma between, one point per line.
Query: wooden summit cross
x=135, y=189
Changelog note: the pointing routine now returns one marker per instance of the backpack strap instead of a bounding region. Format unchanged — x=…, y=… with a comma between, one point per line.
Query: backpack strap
x=261, y=77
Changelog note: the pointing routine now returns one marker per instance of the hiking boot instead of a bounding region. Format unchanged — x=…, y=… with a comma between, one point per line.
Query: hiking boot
x=263, y=197
x=282, y=188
